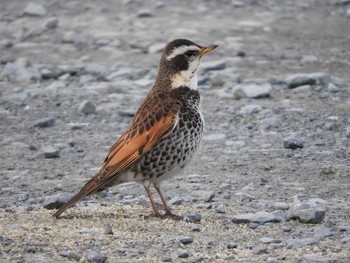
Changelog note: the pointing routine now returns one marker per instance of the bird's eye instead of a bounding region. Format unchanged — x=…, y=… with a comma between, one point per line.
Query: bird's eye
x=191, y=53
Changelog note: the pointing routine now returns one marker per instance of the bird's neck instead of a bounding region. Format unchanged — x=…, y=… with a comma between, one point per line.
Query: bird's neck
x=184, y=78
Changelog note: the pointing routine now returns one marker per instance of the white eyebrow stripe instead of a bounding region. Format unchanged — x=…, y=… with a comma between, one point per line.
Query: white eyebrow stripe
x=181, y=50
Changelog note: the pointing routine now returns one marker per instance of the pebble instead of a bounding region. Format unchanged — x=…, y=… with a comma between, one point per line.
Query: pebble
x=309, y=59
x=204, y=195
x=280, y=206
x=96, y=256
x=232, y=245
x=21, y=70
x=34, y=9
x=293, y=141
x=51, y=152
x=319, y=259
x=107, y=230
x=167, y=259
x=220, y=209
x=298, y=80
x=71, y=37
x=259, y=217
x=297, y=243
x=306, y=213
x=333, y=88
x=195, y=229
x=244, y=197
x=271, y=260
x=252, y=91
x=48, y=73
x=259, y=250
x=186, y=240
x=145, y=13
x=55, y=201
x=176, y=200
x=51, y=23
x=87, y=107
x=347, y=132
x=271, y=123
x=184, y=254
x=213, y=65
x=156, y=48
x=250, y=109
x=192, y=217
x=70, y=255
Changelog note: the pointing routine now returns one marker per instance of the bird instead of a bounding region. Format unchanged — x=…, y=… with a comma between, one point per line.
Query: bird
x=164, y=134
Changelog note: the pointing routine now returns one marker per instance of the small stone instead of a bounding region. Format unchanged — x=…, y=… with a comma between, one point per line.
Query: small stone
x=96, y=256
x=214, y=137
x=232, y=245
x=192, y=217
x=332, y=88
x=71, y=37
x=347, y=132
x=204, y=195
x=51, y=23
x=55, y=201
x=259, y=217
x=298, y=80
x=195, y=229
x=293, y=141
x=176, y=201
x=33, y=9
x=271, y=260
x=70, y=255
x=48, y=74
x=309, y=59
x=306, y=213
x=51, y=152
x=107, y=230
x=252, y=91
x=184, y=254
x=250, y=109
x=213, y=65
x=167, y=259
x=156, y=48
x=259, y=250
x=186, y=240
x=244, y=197
x=87, y=107
x=220, y=209
x=273, y=122
x=319, y=259
x=145, y=13
x=280, y=206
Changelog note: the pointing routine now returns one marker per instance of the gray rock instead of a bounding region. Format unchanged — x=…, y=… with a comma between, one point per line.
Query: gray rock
x=51, y=152
x=214, y=137
x=272, y=123
x=197, y=229
x=192, y=217
x=71, y=37
x=167, y=259
x=34, y=9
x=271, y=260
x=293, y=141
x=259, y=217
x=309, y=59
x=176, y=200
x=319, y=259
x=184, y=254
x=21, y=70
x=96, y=256
x=333, y=88
x=145, y=13
x=51, y=23
x=298, y=80
x=252, y=91
x=204, y=195
x=55, y=201
x=250, y=109
x=232, y=245
x=259, y=250
x=186, y=240
x=280, y=206
x=70, y=255
x=347, y=132
x=107, y=230
x=213, y=65
x=87, y=107
x=268, y=240
x=156, y=48
x=296, y=243
x=244, y=197
x=48, y=73
x=220, y=209
x=306, y=213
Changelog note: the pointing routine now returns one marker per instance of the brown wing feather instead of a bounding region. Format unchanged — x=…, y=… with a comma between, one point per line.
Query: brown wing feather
x=146, y=130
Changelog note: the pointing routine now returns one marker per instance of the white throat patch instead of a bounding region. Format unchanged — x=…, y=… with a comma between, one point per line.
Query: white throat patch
x=187, y=78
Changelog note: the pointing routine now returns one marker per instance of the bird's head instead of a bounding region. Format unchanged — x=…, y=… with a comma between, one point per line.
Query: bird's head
x=180, y=62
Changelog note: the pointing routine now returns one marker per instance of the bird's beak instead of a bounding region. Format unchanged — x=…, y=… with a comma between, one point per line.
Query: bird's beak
x=207, y=50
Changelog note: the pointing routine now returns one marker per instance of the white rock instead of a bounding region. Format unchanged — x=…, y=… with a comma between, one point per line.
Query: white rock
x=33, y=9
x=87, y=107
x=252, y=91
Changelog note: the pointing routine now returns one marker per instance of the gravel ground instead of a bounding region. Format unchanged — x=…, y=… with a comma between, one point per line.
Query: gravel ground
x=271, y=181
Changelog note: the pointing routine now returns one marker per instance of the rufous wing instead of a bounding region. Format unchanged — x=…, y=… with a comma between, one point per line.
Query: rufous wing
x=149, y=126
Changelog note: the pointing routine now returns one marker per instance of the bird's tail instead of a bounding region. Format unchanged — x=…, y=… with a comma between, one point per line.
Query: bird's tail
x=90, y=187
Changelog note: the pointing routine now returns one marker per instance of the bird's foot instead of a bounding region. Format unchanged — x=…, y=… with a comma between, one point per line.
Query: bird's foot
x=167, y=215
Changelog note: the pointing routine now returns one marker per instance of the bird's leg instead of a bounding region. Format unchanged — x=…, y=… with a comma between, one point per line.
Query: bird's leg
x=155, y=210
x=168, y=213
